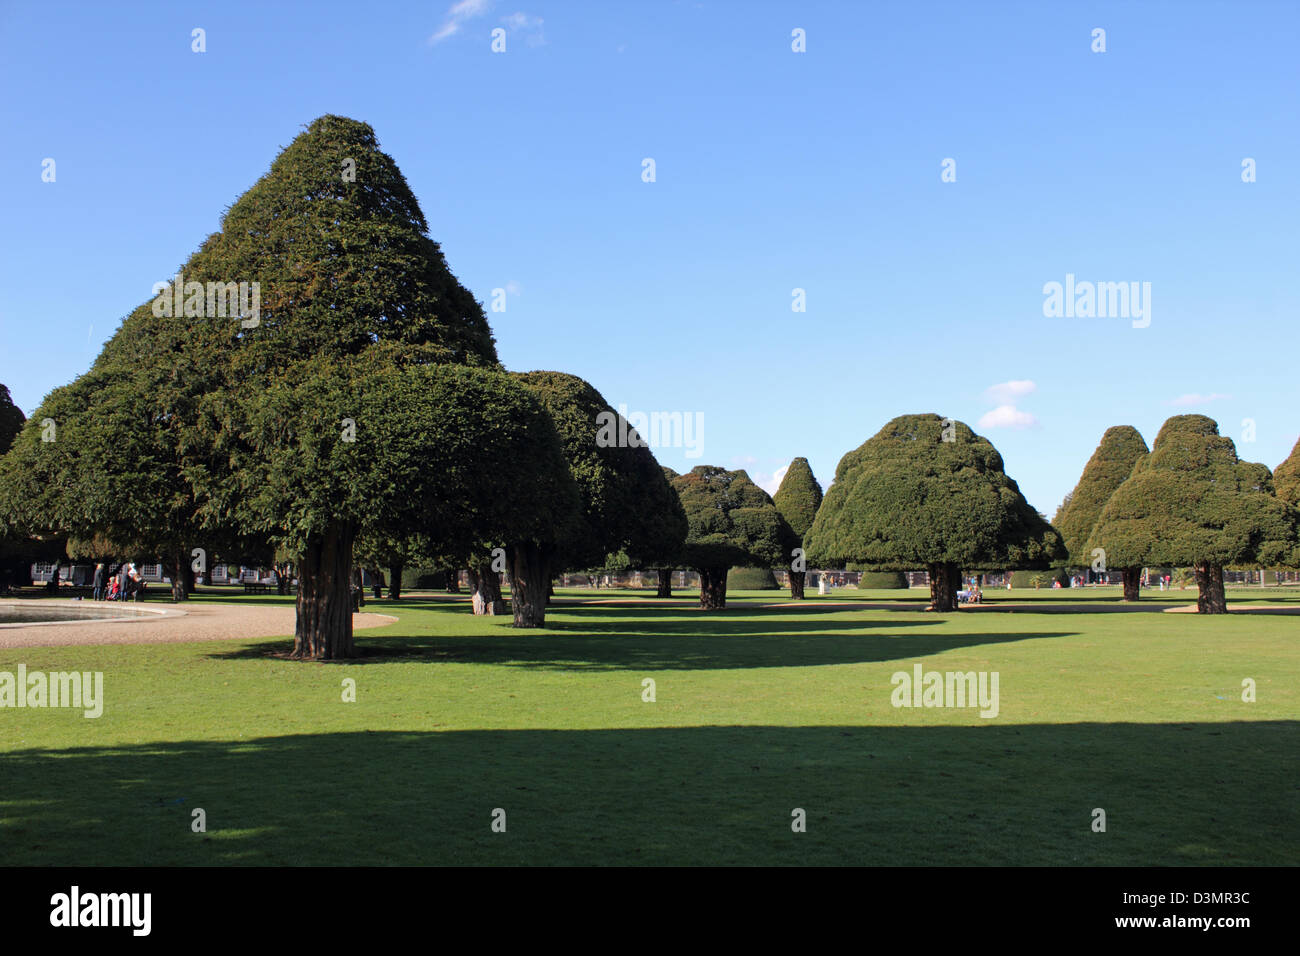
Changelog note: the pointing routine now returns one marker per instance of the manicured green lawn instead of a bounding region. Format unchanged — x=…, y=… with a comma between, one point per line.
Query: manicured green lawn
x=759, y=710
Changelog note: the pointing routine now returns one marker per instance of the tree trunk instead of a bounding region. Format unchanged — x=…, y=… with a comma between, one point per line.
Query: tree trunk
x=713, y=588
x=487, y=590
x=529, y=580
x=324, y=629
x=943, y=586
x=453, y=581
x=665, y=583
x=1132, y=583
x=797, y=579
x=1209, y=583
x=175, y=567
x=395, y=581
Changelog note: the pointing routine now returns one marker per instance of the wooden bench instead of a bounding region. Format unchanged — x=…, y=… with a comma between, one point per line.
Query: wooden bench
x=256, y=587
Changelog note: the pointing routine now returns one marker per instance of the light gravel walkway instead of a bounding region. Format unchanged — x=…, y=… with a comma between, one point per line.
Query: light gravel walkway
x=196, y=622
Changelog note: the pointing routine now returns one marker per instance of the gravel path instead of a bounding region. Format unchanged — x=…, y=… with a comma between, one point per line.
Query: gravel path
x=199, y=622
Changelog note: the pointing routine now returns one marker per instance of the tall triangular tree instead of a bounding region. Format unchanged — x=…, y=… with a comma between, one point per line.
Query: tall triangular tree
x=1193, y=503
x=1121, y=448
x=302, y=379
x=928, y=492
x=798, y=499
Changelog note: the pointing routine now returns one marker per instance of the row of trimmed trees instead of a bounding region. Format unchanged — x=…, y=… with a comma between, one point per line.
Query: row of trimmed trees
x=1187, y=502
x=358, y=412
x=928, y=492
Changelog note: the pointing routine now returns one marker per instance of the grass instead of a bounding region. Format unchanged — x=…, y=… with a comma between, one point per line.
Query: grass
x=759, y=710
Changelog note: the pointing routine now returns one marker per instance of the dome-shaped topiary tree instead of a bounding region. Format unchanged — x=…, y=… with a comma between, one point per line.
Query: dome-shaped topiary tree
x=732, y=522
x=928, y=492
x=627, y=504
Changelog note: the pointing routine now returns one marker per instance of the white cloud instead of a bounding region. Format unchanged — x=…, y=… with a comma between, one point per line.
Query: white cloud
x=770, y=483
x=1007, y=416
x=1007, y=392
x=529, y=26
x=460, y=11
x=1195, y=398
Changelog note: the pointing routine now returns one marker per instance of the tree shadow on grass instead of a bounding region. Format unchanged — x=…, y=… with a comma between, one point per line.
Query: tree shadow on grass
x=614, y=648
x=987, y=793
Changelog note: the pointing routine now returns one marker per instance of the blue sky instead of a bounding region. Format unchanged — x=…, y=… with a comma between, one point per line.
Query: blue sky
x=774, y=170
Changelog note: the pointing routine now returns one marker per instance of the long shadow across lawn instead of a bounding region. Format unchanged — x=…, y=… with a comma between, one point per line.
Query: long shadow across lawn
x=1201, y=793
x=662, y=640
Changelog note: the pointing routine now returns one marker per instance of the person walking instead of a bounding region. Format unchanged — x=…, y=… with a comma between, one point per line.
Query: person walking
x=97, y=585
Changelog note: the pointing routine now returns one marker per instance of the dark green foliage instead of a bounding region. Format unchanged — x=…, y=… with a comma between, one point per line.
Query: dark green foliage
x=423, y=579
x=1286, y=478
x=733, y=522
x=799, y=496
x=752, y=579
x=1192, y=502
x=343, y=265
x=448, y=451
x=881, y=580
x=11, y=419
x=112, y=470
x=1120, y=449
x=907, y=499
x=18, y=549
x=351, y=285
x=628, y=506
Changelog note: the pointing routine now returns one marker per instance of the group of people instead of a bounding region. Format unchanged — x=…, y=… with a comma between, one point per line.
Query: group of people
x=122, y=583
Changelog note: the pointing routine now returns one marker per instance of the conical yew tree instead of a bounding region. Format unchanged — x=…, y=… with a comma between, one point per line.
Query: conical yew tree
x=1193, y=503
x=298, y=381
x=340, y=249
x=1120, y=449
x=928, y=492
x=798, y=499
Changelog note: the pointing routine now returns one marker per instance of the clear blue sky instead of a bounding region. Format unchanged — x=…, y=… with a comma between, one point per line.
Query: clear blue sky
x=775, y=170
